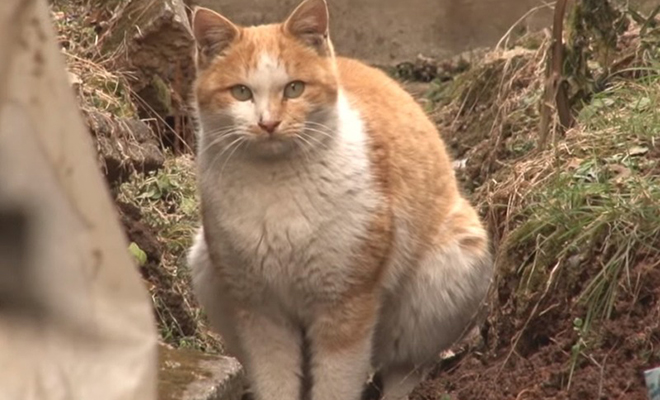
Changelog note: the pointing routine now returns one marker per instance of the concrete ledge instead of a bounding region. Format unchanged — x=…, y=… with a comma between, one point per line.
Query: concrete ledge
x=192, y=375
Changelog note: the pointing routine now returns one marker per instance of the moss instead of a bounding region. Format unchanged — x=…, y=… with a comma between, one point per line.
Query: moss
x=178, y=369
x=158, y=96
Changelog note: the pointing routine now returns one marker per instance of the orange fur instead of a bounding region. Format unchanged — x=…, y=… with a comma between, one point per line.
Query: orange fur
x=405, y=242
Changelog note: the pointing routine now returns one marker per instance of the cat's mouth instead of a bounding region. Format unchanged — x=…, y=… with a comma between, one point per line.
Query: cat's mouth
x=272, y=144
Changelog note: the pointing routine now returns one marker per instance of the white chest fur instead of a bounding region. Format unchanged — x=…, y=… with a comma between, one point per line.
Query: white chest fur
x=287, y=232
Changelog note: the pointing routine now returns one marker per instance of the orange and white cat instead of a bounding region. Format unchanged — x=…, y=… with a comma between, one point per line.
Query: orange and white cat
x=335, y=241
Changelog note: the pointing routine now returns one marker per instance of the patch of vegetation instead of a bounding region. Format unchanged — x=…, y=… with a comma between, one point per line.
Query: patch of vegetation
x=490, y=112
x=576, y=224
x=168, y=204
x=98, y=87
x=598, y=207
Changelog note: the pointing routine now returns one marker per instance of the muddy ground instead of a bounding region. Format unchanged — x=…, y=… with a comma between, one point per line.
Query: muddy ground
x=534, y=361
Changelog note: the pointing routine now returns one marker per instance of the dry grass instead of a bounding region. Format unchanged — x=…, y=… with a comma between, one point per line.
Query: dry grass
x=167, y=200
x=577, y=220
x=98, y=87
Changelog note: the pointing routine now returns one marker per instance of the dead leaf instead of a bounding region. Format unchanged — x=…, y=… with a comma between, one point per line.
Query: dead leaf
x=638, y=151
x=621, y=173
x=574, y=163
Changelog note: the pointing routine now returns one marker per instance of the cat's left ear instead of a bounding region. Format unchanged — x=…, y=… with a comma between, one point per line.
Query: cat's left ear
x=213, y=34
x=309, y=22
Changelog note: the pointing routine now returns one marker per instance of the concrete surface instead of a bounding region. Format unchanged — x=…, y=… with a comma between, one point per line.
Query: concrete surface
x=390, y=31
x=192, y=375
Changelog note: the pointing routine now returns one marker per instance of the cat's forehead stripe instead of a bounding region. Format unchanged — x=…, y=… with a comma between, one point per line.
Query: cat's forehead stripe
x=268, y=71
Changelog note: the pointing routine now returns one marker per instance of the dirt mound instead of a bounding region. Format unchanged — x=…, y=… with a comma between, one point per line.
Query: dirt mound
x=575, y=310
x=552, y=360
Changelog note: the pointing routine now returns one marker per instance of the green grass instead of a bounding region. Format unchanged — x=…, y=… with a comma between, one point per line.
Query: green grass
x=599, y=209
x=168, y=202
x=594, y=215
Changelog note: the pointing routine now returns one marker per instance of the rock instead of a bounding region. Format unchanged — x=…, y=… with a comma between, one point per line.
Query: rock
x=158, y=96
x=191, y=375
x=153, y=40
x=124, y=146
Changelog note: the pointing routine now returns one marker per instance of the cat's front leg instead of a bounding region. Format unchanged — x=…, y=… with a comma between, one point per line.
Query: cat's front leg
x=272, y=356
x=341, y=343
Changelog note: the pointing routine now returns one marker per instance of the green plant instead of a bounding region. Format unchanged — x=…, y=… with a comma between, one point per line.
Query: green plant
x=600, y=203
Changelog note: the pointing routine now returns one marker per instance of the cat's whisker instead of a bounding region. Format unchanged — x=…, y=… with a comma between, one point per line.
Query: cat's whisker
x=302, y=139
x=222, y=130
x=220, y=139
x=323, y=132
x=316, y=140
x=298, y=132
x=219, y=155
x=308, y=129
x=242, y=141
x=320, y=125
x=300, y=142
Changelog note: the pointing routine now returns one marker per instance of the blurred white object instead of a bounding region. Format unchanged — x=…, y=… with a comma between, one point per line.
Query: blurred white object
x=652, y=377
x=75, y=319
x=459, y=164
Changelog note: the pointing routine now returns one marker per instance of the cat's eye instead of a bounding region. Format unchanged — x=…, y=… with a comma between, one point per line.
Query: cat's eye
x=241, y=92
x=294, y=89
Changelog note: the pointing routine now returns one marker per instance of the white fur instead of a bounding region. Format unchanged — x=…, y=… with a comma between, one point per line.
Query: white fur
x=286, y=231
x=267, y=82
x=341, y=375
x=432, y=309
x=278, y=372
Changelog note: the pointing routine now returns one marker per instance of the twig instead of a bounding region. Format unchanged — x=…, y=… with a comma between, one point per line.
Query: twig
x=555, y=87
x=531, y=315
x=506, y=36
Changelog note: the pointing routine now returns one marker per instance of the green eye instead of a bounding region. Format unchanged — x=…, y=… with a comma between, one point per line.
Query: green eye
x=241, y=92
x=294, y=89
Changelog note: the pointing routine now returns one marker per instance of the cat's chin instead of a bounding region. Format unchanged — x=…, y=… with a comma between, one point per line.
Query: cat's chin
x=272, y=148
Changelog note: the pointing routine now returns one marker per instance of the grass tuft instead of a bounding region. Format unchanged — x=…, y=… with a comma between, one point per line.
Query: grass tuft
x=600, y=201
x=99, y=87
x=167, y=200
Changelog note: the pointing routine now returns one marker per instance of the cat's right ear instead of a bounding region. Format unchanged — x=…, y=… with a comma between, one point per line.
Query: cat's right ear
x=213, y=33
x=309, y=22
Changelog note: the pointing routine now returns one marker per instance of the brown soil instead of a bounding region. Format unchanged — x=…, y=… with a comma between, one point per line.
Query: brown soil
x=530, y=346
x=610, y=366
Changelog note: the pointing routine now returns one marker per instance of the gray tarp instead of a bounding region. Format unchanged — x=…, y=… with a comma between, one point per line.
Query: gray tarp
x=75, y=319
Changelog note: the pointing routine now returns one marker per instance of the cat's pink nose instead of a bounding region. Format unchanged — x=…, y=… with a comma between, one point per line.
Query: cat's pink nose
x=269, y=126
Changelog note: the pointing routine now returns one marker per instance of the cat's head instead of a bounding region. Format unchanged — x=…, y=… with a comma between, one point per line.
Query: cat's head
x=271, y=88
